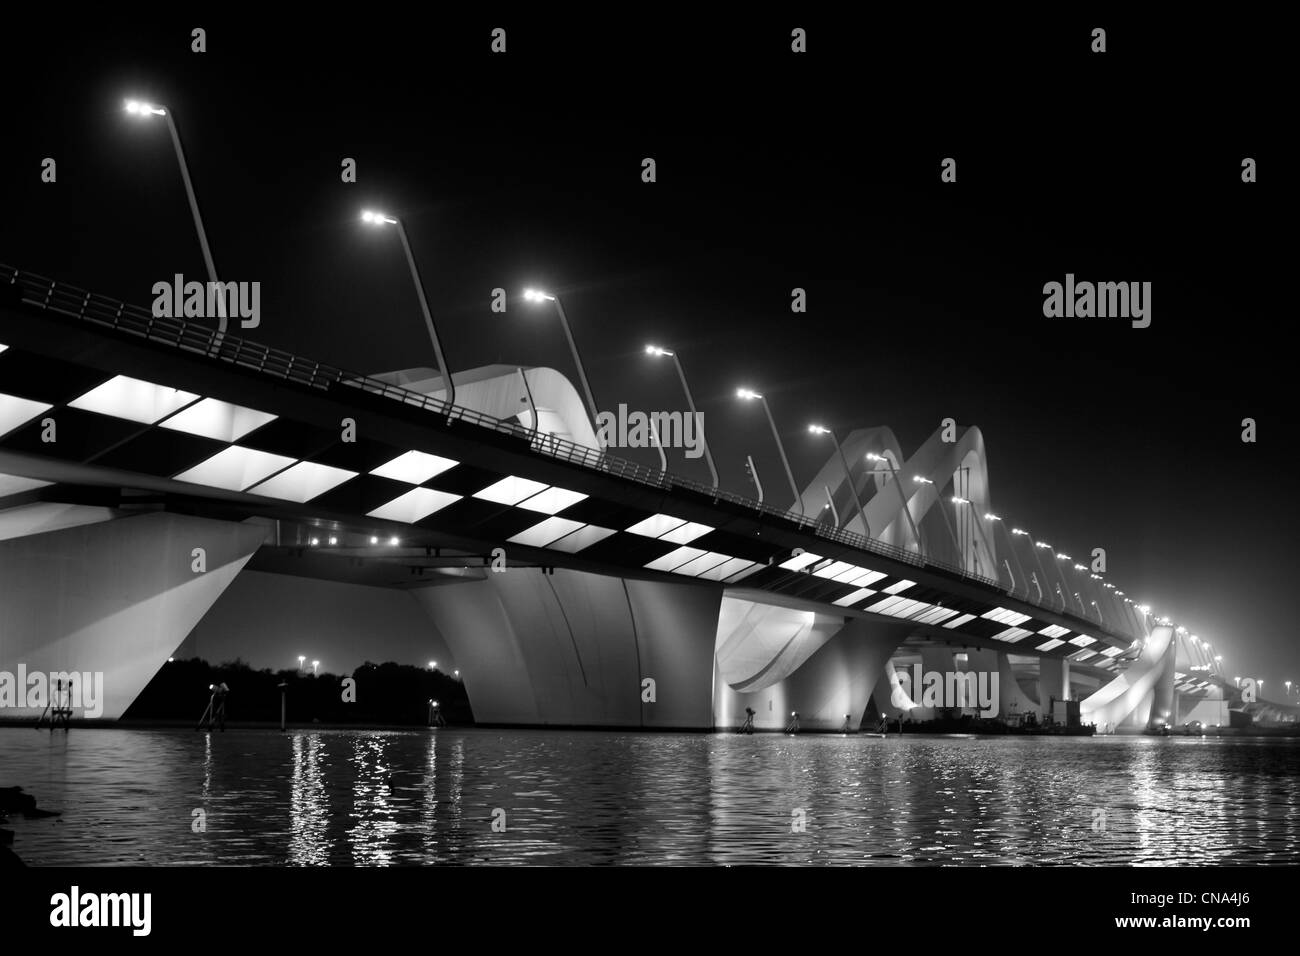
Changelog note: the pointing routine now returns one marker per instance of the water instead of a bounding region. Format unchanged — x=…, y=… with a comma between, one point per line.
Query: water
x=376, y=798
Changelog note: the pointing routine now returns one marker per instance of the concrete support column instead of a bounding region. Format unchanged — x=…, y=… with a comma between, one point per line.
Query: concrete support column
x=1053, y=681
x=114, y=598
x=832, y=687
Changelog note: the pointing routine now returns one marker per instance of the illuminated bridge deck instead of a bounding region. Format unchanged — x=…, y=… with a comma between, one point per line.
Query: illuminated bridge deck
x=159, y=413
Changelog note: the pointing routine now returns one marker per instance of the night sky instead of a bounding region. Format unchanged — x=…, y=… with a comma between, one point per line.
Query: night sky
x=774, y=171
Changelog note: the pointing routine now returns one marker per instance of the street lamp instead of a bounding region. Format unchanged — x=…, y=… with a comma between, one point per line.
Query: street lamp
x=534, y=295
x=708, y=456
x=145, y=111
x=1011, y=546
x=750, y=395
x=848, y=476
x=379, y=219
x=916, y=533
x=433, y=665
x=958, y=500
x=315, y=667
x=301, y=661
x=920, y=480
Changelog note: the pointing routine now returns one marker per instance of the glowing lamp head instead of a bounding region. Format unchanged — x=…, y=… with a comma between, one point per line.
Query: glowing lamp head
x=536, y=295
x=377, y=218
x=656, y=350
x=136, y=108
x=748, y=394
x=818, y=430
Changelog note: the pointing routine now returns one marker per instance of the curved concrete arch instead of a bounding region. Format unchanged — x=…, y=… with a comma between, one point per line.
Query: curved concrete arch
x=496, y=390
x=759, y=645
x=867, y=481
x=831, y=689
x=1141, y=695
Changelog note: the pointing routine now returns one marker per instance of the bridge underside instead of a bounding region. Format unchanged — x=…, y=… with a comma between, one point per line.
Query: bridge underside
x=86, y=589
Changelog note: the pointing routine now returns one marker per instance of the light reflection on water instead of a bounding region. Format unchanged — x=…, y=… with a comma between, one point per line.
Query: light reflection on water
x=378, y=798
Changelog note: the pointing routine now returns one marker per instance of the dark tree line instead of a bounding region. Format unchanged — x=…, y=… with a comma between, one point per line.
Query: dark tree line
x=383, y=694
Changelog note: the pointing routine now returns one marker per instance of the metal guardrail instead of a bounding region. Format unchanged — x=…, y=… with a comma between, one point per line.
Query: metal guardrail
x=77, y=303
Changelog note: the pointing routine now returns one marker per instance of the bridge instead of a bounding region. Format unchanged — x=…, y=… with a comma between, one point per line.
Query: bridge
x=147, y=462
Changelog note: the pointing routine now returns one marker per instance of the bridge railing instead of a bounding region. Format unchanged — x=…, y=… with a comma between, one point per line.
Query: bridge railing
x=71, y=301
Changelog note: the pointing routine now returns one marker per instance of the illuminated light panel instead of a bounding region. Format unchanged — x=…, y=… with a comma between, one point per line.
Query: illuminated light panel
x=18, y=411
x=414, y=467
x=1004, y=616
x=800, y=561
x=303, y=482
x=4, y=348
x=854, y=597
x=212, y=418
x=510, y=490
x=834, y=569
x=1049, y=645
x=909, y=608
x=743, y=573
x=416, y=504
x=1013, y=634
x=235, y=468
x=897, y=607
x=727, y=569
x=1082, y=656
x=1113, y=651
x=960, y=621
x=935, y=615
x=866, y=578
x=686, y=533
x=656, y=526
x=1054, y=630
x=1082, y=640
x=544, y=532
x=705, y=562
x=133, y=399
x=552, y=500
x=675, y=559
x=584, y=537
x=14, y=485
x=847, y=576
x=898, y=587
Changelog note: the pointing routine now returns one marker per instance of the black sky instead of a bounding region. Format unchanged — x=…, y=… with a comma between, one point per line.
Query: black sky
x=774, y=171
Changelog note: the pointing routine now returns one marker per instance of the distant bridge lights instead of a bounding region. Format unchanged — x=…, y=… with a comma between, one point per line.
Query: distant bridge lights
x=536, y=296
x=315, y=667
x=749, y=395
x=380, y=219
x=690, y=403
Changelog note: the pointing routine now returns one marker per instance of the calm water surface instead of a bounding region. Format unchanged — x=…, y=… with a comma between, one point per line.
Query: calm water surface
x=377, y=798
